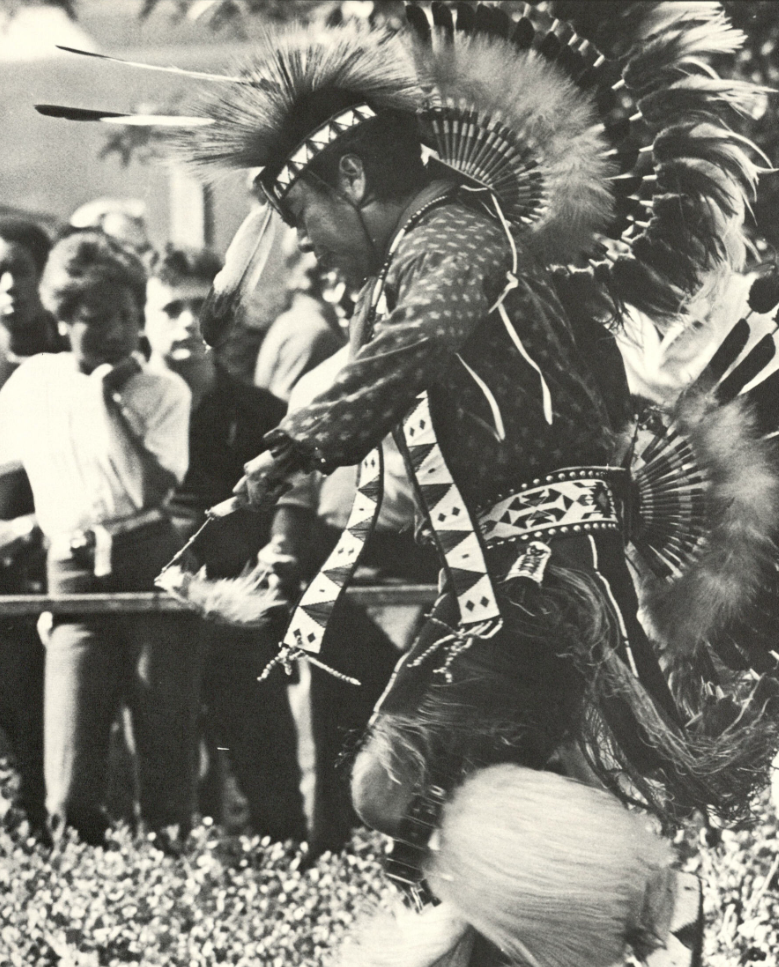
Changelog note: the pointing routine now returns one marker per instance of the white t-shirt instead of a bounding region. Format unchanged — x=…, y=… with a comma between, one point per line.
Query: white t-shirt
x=82, y=468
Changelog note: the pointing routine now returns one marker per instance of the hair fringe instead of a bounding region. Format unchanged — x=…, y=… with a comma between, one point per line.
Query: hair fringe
x=298, y=78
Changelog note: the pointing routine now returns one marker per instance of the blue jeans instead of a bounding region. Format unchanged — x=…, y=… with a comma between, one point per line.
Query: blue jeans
x=152, y=663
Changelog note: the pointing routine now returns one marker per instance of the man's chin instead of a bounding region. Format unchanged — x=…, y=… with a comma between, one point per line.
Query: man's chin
x=186, y=354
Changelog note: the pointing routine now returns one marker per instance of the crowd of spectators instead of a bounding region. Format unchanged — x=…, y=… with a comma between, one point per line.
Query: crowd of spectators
x=119, y=428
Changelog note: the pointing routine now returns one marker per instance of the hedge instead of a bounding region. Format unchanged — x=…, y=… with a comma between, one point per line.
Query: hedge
x=243, y=901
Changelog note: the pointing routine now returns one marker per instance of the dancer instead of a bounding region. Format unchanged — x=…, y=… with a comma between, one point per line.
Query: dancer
x=478, y=356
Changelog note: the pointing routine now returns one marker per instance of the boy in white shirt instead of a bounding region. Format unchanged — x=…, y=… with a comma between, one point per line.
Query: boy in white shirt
x=103, y=441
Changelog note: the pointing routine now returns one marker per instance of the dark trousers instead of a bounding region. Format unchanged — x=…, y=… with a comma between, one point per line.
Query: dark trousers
x=21, y=710
x=152, y=663
x=340, y=712
x=251, y=724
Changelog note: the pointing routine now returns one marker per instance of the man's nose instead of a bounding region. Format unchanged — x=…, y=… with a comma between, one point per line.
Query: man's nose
x=188, y=319
x=6, y=281
x=304, y=242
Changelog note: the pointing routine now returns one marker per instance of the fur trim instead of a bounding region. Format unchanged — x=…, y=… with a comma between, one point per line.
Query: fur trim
x=436, y=937
x=251, y=600
x=553, y=872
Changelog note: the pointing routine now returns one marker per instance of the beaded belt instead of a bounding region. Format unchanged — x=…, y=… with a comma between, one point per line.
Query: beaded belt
x=572, y=501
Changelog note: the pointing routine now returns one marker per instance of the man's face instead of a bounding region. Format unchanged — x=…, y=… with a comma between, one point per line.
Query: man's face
x=109, y=333
x=330, y=227
x=19, y=278
x=172, y=314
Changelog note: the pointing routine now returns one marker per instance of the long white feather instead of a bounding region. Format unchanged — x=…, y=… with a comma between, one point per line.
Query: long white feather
x=181, y=71
x=244, y=264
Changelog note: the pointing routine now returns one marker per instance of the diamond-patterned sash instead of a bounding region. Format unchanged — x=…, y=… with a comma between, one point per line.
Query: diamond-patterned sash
x=455, y=532
x=306, y=629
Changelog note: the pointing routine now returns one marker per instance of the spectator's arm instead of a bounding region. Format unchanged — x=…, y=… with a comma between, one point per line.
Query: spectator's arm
x=16, y=534
x=12, y=419
x=161, y=439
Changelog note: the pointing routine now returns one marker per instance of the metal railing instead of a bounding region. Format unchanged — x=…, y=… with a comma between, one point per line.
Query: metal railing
x=12, y=605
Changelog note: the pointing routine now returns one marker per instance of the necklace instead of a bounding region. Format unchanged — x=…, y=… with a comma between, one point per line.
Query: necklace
x=381, y=278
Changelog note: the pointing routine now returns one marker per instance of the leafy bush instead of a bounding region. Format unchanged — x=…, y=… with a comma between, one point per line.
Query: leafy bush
x=242, y=901
x=235, y=900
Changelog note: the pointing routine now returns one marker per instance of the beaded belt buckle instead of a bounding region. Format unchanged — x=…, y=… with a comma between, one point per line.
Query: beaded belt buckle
x=572, y=501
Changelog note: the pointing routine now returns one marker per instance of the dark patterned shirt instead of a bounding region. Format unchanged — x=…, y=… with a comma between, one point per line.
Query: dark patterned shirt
x=445, y=277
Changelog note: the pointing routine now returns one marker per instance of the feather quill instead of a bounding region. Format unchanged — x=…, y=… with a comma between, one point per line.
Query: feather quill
x=245, y=261
x=181, y=71
x=115, y=117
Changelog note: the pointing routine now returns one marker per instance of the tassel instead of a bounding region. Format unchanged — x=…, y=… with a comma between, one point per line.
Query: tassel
x=288, y=654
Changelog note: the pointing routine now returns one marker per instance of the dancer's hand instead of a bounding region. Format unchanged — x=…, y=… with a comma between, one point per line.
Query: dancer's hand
x=263, y=485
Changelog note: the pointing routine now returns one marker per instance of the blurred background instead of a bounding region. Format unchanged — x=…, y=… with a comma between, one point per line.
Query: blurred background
x=48, y=169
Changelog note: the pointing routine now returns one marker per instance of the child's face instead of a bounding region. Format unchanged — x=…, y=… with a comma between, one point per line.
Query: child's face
x=107, y=331
x=19, y=277
x=172, y=319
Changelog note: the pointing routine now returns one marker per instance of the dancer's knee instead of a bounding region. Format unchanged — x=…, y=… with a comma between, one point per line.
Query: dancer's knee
x=381, y=793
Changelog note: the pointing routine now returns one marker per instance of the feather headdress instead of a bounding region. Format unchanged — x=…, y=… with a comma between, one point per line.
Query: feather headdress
x=693, y=176
x=621, y=163
x=299, y=80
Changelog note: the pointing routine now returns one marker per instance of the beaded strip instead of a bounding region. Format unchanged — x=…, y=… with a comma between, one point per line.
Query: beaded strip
x=455, y=532
x=571, y=501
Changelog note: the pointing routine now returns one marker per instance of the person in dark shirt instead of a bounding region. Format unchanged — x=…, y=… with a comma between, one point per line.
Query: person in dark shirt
x=227, y=424
x=26, y=328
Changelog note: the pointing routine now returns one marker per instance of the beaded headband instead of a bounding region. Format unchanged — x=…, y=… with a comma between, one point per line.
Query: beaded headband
x=322, y=137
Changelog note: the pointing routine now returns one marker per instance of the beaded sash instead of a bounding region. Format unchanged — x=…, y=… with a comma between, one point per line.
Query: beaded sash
x=454, y=530
x=306, y=630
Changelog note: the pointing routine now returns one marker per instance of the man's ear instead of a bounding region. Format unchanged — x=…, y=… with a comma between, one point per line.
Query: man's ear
x=351, y=178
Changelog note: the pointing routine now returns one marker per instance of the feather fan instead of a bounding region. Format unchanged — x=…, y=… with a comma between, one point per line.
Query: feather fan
x=560, y=177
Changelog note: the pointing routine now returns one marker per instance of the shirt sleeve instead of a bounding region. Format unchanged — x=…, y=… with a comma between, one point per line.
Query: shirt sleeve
x=441, y=299
x=295, y=344
x=167, y=435
x=304, y=492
